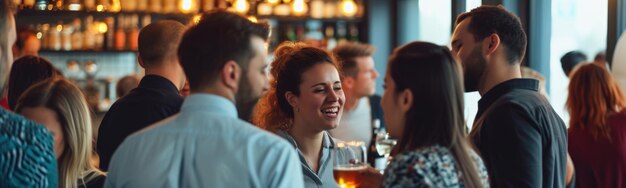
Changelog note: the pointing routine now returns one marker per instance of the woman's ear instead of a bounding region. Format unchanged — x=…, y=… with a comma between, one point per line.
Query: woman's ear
x=405, y=100
x=292, y=99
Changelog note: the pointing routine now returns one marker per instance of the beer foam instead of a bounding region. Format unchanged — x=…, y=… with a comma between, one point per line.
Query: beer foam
x=350, y=167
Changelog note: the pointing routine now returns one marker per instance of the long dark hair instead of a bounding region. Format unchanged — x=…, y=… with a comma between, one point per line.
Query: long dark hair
x=291, y=60
x=436, y=115
x=25, y=72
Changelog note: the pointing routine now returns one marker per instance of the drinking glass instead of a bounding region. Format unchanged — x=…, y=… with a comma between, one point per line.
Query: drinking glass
x=349, y=161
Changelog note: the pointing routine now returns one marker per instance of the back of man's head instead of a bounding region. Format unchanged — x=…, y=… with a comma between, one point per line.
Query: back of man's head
x=7, y=37
x=346, y=52
x=487, y=20
x=158, y=42
x=570, y=60
x=219, y=37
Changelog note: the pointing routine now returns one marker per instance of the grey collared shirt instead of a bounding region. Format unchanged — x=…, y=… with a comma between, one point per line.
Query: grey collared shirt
x=324, y=176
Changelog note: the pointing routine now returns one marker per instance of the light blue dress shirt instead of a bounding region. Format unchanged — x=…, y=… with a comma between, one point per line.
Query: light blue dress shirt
x=205, y=145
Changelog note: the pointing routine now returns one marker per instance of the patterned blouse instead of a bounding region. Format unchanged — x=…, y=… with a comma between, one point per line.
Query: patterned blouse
x=433, y=166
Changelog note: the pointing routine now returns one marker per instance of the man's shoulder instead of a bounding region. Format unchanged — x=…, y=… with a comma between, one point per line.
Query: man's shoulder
x=13, y=125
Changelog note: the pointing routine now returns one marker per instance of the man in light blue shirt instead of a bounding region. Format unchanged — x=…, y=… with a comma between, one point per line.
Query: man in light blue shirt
x=206, y=144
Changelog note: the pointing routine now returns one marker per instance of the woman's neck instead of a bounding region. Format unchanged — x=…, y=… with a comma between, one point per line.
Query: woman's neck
x=309, y=143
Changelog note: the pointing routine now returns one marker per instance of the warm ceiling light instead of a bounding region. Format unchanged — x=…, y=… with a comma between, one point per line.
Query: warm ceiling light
x=241, y=6
x=273, y=2
x=186, y=6
x=299, y=7
x=348, y=8
x=115, y=6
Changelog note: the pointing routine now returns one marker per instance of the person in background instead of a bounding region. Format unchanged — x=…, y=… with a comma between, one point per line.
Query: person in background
x=305, y=100
x=27, y=43
x=362, y=106
x=571, y=60
x=522, y=140
x=25, y=72
x=597, y=132
x=206, y=144
x=19, y=136
x=61, y=107
x=157, y=96
x=423, y=99
x=125, y=85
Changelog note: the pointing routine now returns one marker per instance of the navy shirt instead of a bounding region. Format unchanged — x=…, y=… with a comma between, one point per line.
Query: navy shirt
x=522, y=140
x=153, y=100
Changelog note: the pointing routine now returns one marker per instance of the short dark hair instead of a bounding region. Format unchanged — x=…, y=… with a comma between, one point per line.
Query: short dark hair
x=571, y=60
x=159, y=40
x=25, y=72
x=218, y=37
x=346, y=53
x=488, y=19
x=23, y=33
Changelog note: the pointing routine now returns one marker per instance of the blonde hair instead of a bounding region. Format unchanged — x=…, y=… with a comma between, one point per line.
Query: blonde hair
x=70, y=105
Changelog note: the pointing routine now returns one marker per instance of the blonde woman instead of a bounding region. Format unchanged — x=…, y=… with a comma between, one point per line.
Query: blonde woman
x=61, y=107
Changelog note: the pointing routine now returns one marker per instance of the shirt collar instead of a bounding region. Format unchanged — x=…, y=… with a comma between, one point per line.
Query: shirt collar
x=327, y=142
x=505, y=87
x=157, y=82
x=209, y=102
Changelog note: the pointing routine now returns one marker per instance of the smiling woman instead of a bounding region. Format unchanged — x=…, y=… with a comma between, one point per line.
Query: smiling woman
x=305, y=100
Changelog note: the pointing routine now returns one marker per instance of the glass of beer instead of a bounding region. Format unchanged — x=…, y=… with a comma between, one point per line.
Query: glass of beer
x=349, y=160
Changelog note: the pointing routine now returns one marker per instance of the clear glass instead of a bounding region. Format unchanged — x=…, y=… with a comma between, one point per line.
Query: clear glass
x=349, y=159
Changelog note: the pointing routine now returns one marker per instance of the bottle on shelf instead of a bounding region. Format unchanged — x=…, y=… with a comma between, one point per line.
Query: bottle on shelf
x=109, y=36
x=45, y=36
x=120, y=33
x=155, y=6
x=142, y=5
x=66, y=37
x=341, y=31
x=89, y=34
x=169, y=6
x=128, y=5
x=329, y=33
x=133, y=33
x=55, y=37
x=28, y=4
x=208, y=5
x=354, y=32
x=73, y=5
x=77, y=35
x=317, y=9
x=41, y=5
x=89, y=5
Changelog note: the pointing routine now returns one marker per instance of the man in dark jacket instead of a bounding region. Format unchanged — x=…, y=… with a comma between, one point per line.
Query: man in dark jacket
x=522, y=140
x=157, y=95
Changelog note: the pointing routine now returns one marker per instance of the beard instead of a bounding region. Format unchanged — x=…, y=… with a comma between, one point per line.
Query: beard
x=473, y=69
x=245, y=99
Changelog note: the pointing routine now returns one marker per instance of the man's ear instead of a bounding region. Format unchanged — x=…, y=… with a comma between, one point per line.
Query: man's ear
x=140, y=61
x=490, y=44
x=347, y=82
x=231, y=74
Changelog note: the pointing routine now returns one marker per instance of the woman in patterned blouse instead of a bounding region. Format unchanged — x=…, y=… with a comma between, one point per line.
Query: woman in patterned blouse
x=423, y=105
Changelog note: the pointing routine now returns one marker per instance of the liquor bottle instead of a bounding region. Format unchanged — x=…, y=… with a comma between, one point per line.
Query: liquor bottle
x=354, y=32
x=77, y=35
x=133, y=33
x=89, y=5
x=120, y=34
x=208, y=5
x=375, y=159
x=89, y=40
x=329, y=33
x=41, y=5
x=155, y=6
